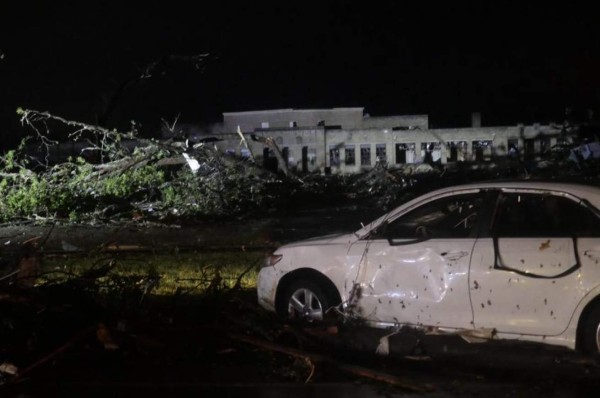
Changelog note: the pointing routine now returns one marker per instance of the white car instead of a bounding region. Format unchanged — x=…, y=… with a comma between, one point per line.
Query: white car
x=503, y=260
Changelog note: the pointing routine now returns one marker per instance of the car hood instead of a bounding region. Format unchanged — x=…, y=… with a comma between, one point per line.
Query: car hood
x=331, y=239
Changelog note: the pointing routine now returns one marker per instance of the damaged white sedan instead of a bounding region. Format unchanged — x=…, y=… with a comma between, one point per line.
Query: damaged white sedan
x=505, y=260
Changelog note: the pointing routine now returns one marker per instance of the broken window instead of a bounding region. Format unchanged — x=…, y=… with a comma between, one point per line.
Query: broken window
x=304, y=159
x=513, y=147
x=482, y=150
x=365, y=154
x=285, y=153
x=529, y=148
x=334, y=155
x=431, y=151
x=288, y=154
x=380, y=152
x=458, y=151
x=312, y=156
x=269, y=160
x=350, y=155
x=450, y=217
x=522, y=215
x=405, y=153
x=545, y=144
x=535, y=234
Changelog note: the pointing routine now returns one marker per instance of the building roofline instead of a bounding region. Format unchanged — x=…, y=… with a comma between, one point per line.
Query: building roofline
x=294, y=110
x=399, y=116
x=261, y=111
x=330, y=109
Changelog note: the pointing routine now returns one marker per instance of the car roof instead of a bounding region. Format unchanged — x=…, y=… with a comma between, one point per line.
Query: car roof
x=590, y=193
x=583, y=191
x=549, y=184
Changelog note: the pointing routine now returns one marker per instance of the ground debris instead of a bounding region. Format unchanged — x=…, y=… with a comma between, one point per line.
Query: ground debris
x=353, y=369
x=105, y=337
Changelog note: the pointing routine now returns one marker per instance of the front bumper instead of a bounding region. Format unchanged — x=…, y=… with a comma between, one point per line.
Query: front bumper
x=266, y=286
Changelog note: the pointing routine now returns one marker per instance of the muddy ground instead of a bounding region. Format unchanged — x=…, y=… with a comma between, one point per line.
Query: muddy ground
x=65, y=343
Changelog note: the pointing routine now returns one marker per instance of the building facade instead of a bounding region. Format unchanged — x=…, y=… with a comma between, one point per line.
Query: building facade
x=346, y=140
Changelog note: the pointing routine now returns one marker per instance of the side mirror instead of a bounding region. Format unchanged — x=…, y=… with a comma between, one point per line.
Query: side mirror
x=382, y=230
x=422, y=232
x=419, y=234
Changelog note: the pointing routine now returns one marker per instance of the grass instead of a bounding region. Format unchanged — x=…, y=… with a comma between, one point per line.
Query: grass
x=175, y=273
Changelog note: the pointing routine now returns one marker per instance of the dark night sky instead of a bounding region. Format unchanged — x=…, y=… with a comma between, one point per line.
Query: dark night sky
x=523, y=64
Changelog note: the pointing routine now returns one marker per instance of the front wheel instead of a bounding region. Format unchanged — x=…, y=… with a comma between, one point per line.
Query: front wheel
x=306, y=301
x=591, y=332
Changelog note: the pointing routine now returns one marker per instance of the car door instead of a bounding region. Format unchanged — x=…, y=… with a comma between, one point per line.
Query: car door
x=415, y=267
x=526, y=278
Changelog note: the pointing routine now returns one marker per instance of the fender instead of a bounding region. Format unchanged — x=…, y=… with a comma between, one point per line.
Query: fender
x=570, y=333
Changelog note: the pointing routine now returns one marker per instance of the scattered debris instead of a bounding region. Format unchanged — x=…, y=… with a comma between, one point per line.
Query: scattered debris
x=353, y=369
x=481, y=335
x=384, y=344
x=8, y=368
x=105, y=338
x=50, y=356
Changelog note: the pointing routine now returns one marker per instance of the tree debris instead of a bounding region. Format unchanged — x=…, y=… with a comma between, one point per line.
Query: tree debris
x=353, y=369
x=122, y=176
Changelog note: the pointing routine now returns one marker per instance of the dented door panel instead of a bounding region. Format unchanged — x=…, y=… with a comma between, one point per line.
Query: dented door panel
x=423, y=283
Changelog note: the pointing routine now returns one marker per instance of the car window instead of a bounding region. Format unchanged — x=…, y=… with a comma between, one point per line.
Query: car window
x=449, y=217
x=543, y=215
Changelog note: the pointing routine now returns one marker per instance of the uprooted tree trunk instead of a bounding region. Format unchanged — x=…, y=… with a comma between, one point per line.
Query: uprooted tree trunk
x=271, y=144
x=243, y=141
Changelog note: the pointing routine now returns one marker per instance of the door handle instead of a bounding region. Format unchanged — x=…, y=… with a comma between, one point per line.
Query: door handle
x=454, y=256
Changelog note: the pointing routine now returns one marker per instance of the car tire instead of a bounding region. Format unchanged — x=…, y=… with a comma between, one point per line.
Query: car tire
x=591, y=332
x=305, y=301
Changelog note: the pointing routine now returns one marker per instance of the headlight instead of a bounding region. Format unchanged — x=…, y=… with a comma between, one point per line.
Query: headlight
x=272, y=260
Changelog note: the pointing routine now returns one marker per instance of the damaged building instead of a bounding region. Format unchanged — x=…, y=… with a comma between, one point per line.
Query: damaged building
x=348, y=140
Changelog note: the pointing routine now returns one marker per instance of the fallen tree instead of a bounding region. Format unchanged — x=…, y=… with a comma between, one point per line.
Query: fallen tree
x=152, y=180
x=121, y=176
